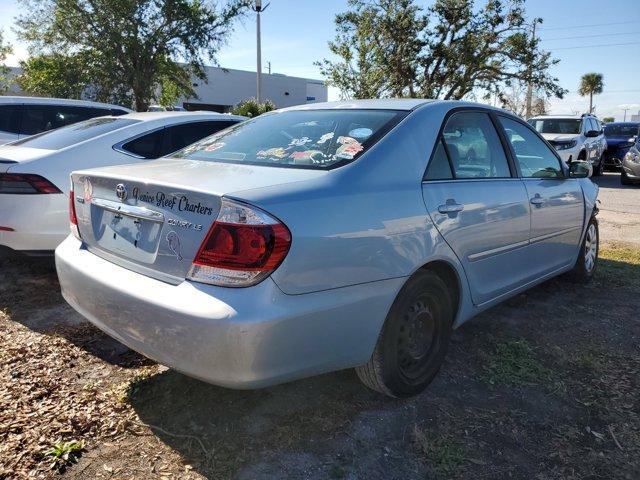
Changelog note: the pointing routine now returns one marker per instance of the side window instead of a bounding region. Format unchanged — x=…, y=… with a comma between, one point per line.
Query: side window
x=147, y=146
x=535, y=159
x=179, y=136
x=36, y=119
x=439, y=167
x=10, y=118
x=474, y=147
x=117, y=112
x=589, y=125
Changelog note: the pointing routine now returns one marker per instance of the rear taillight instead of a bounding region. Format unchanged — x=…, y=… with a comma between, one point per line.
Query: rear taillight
x=25, y=184
x=243, y=247
x=73, y=218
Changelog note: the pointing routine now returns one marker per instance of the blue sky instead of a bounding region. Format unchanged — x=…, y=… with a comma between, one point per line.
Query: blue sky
x=295, y=34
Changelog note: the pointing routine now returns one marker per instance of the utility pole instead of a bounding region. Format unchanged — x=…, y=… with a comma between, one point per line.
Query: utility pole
x=269, y=67
x=258, y=8
x=530, y=86
x=625, y=113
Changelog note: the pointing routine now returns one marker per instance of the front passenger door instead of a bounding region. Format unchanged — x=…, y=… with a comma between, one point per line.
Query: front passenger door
x=557, y=203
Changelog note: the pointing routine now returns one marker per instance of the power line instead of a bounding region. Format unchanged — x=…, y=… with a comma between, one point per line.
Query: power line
x=597, y=46
x=588, y=36
x=592, y=25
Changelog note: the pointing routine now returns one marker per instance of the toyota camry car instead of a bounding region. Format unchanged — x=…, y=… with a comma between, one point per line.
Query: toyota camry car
x=34, y=172
x=323, y=237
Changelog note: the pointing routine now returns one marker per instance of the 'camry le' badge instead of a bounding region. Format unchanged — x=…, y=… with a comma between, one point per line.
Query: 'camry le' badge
x=121, y=191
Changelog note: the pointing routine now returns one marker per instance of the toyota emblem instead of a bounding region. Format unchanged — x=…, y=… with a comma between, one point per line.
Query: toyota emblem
x=121, y=192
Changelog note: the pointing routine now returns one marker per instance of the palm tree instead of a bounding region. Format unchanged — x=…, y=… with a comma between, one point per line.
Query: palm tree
x=591, y=84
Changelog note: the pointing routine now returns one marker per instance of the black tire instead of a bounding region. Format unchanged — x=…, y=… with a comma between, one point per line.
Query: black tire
x=624, y=180
x=414, y=338
x=583, y=270
x=599, y=169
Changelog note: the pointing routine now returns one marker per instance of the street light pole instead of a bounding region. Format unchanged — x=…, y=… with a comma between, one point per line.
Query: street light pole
x=258, y=8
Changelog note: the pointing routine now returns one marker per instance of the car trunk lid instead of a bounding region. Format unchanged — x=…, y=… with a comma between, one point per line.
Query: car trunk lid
x=11, y=156
x=153, y=217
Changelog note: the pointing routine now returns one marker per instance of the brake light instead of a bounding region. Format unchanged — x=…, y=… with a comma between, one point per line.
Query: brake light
x=25, y=184
x=243, y=247
x=73, y=218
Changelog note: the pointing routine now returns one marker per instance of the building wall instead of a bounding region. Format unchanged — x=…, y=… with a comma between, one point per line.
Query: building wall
x=227, y=87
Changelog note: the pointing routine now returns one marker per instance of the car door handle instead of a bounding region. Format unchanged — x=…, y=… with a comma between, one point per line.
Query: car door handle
x=450, y=207
x=537, y=200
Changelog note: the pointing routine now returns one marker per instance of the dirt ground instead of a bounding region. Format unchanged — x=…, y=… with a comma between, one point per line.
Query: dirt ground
x=545, y=386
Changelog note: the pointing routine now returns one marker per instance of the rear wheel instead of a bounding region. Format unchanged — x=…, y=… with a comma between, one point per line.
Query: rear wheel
x=414, y=338
x=588, y=258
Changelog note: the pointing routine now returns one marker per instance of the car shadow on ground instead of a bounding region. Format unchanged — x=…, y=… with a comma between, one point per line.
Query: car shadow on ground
x=612, y=180
x=472, y=419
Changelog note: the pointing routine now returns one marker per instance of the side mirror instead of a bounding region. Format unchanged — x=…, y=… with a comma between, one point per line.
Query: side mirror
x=592, y=133
x=580, y=169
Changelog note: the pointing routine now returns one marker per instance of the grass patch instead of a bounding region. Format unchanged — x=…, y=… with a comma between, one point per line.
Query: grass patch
x=64, y=454
x=620, y=265
x=126, y=390
x=444, y=453
x=514, y=363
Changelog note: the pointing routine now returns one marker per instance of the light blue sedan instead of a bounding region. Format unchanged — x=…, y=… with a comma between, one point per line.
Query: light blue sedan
x=326, y=236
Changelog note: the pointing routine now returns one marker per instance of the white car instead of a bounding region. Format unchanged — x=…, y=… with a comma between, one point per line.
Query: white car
x=24, y=116
x=34, y=172
x=575, y=137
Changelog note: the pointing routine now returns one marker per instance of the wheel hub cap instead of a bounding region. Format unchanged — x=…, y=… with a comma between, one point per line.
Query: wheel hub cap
x=590, y=248
x=416, y=337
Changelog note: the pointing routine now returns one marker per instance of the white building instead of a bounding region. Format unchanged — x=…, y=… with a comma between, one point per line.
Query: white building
x=226, y=88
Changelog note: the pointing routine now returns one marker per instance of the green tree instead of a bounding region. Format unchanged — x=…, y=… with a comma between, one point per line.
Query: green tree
x=54, y=75
x=453, y=50
x=5, y=51
x=608, y=120
x=251, y=108
x=591, y=84
x=124, y=49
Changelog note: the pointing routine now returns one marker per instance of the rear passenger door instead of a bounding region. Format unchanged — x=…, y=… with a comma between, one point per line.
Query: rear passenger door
x=478, y=205
x=557, y=203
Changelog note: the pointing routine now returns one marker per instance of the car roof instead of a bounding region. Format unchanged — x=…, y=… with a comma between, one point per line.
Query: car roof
x=368, y=104
x=631, y=124
x=58, y=101
x=572, y=116
x=168, y=115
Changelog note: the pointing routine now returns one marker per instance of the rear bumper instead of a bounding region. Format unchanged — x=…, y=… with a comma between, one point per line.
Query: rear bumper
x=234, y=337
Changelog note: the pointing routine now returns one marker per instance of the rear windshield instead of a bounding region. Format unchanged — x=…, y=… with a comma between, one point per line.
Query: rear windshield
x=71, y=134
x=630, y=130
x=569, y=126
x=301, y=138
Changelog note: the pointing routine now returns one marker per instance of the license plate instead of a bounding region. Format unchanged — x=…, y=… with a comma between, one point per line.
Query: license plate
x=131, y=237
